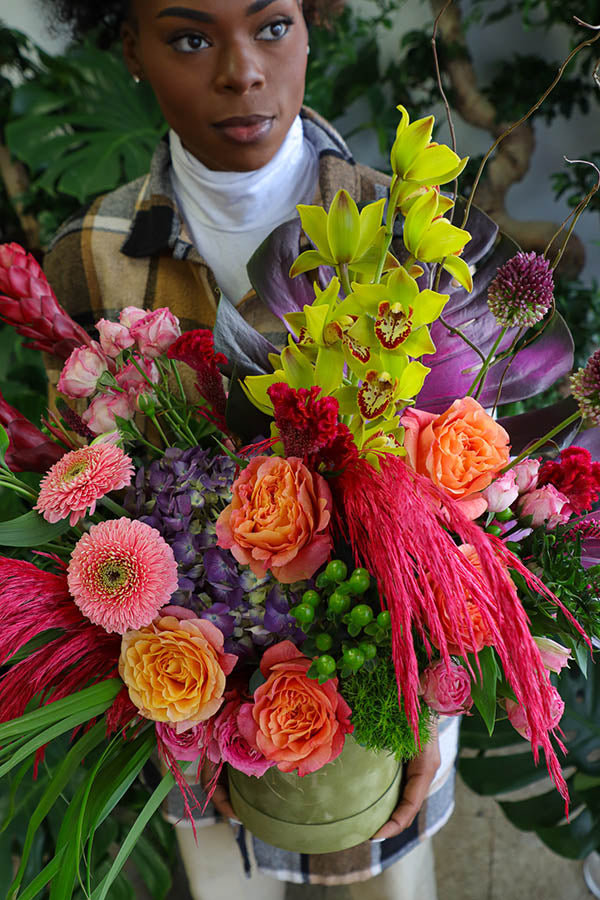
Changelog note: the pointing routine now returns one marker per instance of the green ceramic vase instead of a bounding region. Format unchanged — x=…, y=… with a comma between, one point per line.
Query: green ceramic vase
x=339, y=806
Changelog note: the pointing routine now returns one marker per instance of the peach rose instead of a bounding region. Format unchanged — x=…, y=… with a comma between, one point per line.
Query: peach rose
x=295, y=721
x=461, y=451
x=478, y=635
x=278, y=519
x=175, y=669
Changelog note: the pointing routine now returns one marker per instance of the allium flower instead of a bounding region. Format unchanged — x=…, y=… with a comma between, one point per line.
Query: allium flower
x=585, y=388
x=121, y=574
x=74, y=483
x=522, y=291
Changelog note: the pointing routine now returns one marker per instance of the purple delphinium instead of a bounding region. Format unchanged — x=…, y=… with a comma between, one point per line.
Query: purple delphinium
x=182, y=495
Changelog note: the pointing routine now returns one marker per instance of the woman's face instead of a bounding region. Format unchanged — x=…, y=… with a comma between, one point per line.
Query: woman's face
x=228, y=74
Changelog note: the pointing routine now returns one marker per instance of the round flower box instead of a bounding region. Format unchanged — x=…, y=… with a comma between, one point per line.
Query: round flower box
x=342, y=804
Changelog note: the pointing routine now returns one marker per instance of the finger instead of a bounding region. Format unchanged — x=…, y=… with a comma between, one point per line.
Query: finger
x=222, y=803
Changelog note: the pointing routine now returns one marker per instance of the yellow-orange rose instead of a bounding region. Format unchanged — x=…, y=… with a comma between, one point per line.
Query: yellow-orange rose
x=278, y=519
x=461, y=451
x=175, y=668
x=473, y=633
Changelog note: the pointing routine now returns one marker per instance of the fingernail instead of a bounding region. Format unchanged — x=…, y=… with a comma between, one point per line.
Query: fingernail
x=377, y=840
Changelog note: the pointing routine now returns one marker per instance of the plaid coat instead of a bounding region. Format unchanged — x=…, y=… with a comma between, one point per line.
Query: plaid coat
x=131, y=248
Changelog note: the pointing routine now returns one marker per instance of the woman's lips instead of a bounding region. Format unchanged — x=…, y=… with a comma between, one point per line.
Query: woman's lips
x=245, y=129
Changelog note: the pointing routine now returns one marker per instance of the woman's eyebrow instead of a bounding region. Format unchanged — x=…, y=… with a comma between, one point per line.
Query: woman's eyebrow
x=185, y=12
x=257, y=6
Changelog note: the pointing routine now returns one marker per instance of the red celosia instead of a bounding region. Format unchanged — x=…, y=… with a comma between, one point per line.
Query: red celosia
x=29, y=450
x=575, y=476
x=28, y=303
x=32, y=602
x=197, y=349
x=400, y=527
x=309, y=427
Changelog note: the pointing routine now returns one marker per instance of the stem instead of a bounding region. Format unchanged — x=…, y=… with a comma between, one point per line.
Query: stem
x=177, y=374
x=540, y=443
x=389, y=229
x=438, y=77
x=463, y=337
x=156, y=424
x=480, y=377
x=576, y=216
x=142, y=373
x=114, y=507
x=345, y=280
x=140, y=437
x=18, y=489
x=505, y=373
x=523, y=118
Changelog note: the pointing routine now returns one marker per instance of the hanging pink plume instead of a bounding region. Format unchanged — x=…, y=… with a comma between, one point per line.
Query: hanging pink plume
x=415, y=559
x=32, y=602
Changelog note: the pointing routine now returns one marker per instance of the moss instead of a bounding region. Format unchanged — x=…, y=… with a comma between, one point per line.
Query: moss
x=379, y=722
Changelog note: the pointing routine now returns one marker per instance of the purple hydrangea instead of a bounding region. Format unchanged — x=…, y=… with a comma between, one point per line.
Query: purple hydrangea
x=182, y=495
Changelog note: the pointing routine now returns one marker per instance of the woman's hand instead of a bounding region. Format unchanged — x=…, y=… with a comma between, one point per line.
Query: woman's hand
x=420, y=773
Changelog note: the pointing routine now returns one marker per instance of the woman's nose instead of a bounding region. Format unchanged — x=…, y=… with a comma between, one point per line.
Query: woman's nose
x=239, y=69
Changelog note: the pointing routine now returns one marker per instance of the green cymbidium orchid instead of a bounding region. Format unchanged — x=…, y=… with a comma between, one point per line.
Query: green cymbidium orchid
x=431, y=238
x=417, y=159
x=342, y=236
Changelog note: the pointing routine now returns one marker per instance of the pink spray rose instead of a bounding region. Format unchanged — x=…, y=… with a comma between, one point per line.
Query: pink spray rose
x=518, y=719
x=130, y=315
x=502, y=492
x=186, y=745
x=446, y=692
x=113, y=337
x=155, y=333
x=526, y=474
x=130, y=378
x=82, y=370
x=100, y=414
x=547, y=506
x=554, y=655
x=278, y=519
x=229, y=745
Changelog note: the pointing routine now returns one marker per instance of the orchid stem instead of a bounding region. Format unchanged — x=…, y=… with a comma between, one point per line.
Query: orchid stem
x=389, y=228
x=345, y=280
x=543, y=440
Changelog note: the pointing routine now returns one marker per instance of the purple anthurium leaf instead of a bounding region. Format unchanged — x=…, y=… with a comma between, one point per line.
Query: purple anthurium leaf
x=269, y=267
x=528, y=427
x=534, y=369
x=245, y=348
x=590, y=439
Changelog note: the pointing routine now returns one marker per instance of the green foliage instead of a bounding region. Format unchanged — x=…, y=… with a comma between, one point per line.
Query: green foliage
x=379, y=722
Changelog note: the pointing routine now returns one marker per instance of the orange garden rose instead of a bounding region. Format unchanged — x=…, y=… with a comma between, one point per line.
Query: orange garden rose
x=455, y=630
x=461, y=451
x=278, y=519
x=175, y=668
x=295, y=721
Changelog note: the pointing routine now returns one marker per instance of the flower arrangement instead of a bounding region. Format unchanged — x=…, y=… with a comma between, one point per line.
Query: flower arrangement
x=389, y=551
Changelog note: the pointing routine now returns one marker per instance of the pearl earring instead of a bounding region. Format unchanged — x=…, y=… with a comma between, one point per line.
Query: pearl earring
x=136, y=78
x=307, y=49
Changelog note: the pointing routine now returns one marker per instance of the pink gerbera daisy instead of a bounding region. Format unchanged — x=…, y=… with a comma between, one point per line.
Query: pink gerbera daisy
x=74, y=484
x=121, y=573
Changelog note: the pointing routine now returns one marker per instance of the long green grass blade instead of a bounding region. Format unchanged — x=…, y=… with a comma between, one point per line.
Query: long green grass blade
x=40, y=881
x=70, y=764
x=105, y=691
x=30, y=530
x=14, y=787
x=101, y=892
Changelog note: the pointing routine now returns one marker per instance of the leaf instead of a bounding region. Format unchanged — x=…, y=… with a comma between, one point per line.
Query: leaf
x=528, y=427
x=4, y=444
x=30, y=530
x=483, y=688
x=153, y=870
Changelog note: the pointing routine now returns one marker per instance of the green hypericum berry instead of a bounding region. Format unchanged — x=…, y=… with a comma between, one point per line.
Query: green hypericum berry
x=361, y=614
x=338, y=603
x=494, y=529
x=336, y=570
x=326, y=665
x=311, y=598
x=344, y=587
x=353, y=658
x=368, y=650
x=384, y=620
x=323, y=641
x=303, y=613
x=360, y=581
x=505, y=516
x=323, y=580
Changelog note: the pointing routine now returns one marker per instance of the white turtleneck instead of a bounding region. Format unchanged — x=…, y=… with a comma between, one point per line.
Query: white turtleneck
x=229, y=214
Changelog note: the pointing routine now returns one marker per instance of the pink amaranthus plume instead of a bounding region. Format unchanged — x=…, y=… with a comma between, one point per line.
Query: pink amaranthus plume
x=32, y=602
x=197, y=349
x=575, y=476
x=28, y=303
x=415, y=552
x=29, y=450
x=309, y=427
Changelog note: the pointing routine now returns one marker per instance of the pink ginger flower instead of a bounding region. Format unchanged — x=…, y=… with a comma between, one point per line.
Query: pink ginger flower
x=155, y=332
x=121, y=574
x=81, y=372
x=29, y=450
x=28, y=303
x=75, y=483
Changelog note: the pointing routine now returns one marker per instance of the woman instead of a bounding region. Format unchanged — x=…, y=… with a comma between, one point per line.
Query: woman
x=241, y=153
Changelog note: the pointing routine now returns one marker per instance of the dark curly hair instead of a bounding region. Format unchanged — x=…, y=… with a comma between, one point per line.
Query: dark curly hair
x=105, y=18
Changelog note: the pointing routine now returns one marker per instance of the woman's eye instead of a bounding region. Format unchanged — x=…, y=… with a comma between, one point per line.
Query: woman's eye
x=275, y=31
x=189, y=43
